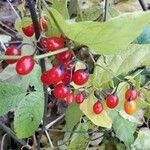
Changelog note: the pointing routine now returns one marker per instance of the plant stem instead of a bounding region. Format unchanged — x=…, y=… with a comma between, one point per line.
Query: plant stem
x=37, y=57
x=49, y=140
x=53, y=122
x=12, y=134
x=143, y=5
x=106, y=10
x=31, y=5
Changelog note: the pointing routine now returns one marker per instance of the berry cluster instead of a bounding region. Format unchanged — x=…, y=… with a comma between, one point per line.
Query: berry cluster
x=130, y=104
x=63, y=73
x=112, y=101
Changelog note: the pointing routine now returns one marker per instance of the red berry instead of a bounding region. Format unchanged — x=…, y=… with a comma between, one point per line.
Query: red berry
x=28, y=30
x=61, y=91
x=53, y=75
x=43, y=24
x=70, y=98
x=52, y=43
x=25, y=65
x=69, y=65
x=67, y=77
x=64, y=57
x=14, y=51
x=98, y=107
x=80, y=98
x=131, y=94
x=80, y=76
x=112, y=101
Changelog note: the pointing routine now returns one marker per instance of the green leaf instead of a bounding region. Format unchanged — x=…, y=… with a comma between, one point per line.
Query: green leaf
x=72, y=116
x=29, y=114
x=135, y=55
x=9, y=75
x=22, y=23
x=104, y=38
x=144, y=38
x=124, y=129
x=79, y=140
x=61, y=7
x=34, y=78
x=10, y=96
x=102, y=120
x=142, y=141
x=91, y=13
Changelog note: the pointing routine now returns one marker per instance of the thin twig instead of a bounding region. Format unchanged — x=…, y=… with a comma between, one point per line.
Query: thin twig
x=49, y=140
x=3, y=140
x=12, y=7
x=7, y=33
x=53, y=122
x=4, y=25
x=34, y=140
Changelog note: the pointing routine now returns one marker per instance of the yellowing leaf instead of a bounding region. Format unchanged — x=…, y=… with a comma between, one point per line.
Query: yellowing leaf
x=102, y=120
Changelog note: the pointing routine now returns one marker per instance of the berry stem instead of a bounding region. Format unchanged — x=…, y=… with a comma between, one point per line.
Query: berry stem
x=37, y=57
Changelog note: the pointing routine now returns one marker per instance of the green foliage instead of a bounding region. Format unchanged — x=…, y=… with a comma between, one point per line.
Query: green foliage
x=124, y=129
x=135, y=55
x=91, y=13
x=61, y=7
x=22, y=23
x=34, y=78
x=29, y=114
x=80, y=140
x=104, y=38
x=10, y=96
x=72, y=116
x=142, y=141
x=144, y=38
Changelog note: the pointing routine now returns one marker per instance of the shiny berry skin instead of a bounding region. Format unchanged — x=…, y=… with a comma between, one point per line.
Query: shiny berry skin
x=80, y=98
x=53, y=76
x=61, y=91
x=43, y=24
x=80, y=76
x=52, y=43
x=28, y=30
x=64, y=57
x=112, y=101
x=130, y=107
x=69, y=65
x=14, y=51
x=67, y=77
x=25, y=65
x=70, y=98
x=98, y=108
x=131, y=93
